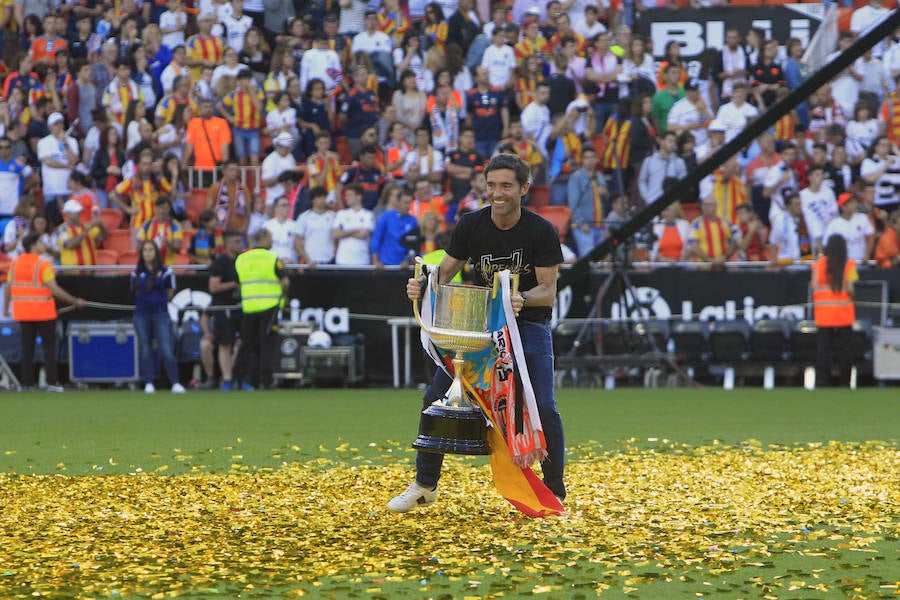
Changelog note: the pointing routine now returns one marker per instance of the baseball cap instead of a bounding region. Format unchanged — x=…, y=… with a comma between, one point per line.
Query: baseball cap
x=717, y=125
x=72, y=207
x=845, y=198
x=55, y=118
x=284, y=139
x=691, y=85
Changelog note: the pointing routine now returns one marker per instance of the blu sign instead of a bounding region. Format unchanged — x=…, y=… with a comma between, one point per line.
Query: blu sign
x=698, y=30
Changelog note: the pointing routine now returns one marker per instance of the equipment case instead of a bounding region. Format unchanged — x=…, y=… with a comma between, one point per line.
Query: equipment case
x=103, y=352
x=886, y=353
x=290, y=356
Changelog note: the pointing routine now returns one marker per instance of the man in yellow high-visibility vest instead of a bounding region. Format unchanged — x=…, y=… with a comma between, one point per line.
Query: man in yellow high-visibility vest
x=264, y=285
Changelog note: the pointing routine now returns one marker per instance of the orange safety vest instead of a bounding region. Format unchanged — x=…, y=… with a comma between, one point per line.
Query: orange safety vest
x=830, y=308
x=31, y=299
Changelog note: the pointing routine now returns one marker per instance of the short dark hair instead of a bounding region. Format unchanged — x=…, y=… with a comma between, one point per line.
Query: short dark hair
x=367, y=150
x=30, y=240
x=514, y=163
x=123, y=62
x=317, y=192
x=206, y=215
x=163, y=199
x=244, y=74
x=812, y=168
x=231, y=233
x=355, y=188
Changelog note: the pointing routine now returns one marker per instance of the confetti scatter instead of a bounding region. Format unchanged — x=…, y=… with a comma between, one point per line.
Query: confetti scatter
x=637, y=517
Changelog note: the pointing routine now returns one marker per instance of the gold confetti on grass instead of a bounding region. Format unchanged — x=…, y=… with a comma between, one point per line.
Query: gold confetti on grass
x=709, y=519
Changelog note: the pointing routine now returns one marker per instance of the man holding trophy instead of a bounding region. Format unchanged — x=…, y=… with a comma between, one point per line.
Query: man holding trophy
x=501, y=237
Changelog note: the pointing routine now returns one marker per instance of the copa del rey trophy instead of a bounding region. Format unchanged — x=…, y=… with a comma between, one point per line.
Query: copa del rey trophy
x=452, y=424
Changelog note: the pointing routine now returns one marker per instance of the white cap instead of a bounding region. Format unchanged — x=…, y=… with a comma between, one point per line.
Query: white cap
x=284, y=139
x=55, y=118
x=72, y=207
x=717, y=125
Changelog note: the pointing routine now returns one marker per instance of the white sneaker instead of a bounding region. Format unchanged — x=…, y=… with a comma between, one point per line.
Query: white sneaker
x=414, y=496
x=149, y=389
x=57, y=389
x=178, y=389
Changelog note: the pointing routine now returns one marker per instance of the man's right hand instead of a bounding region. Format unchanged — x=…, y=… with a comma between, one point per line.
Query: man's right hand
x=80, y=303
x=414, y=288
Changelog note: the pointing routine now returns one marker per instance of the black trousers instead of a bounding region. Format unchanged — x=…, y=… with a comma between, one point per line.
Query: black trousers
x=259, y=337
x=30, y=331
x=834, y=341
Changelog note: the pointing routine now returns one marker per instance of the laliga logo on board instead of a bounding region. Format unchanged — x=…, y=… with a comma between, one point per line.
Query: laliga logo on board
x=190, y=303
x=648, y=303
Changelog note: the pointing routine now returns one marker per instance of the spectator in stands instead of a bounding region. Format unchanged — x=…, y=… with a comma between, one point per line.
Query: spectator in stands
x=176, y=68
x=732, y=64
x=163, y=231
x=854, y=227
x=121, y=92
x=207, y=241
x=80, y=184
x=137, y=196
x=790, y=240
x=752, y=238
x=324, y=167
x=220, y=323
x=535, y=118
x=203, y=49
x=17, y=227
x=866, y=17
x=106, y=164
x=734, y=114
x=487, y=111
x=243, y=110
x=275, y=164
x=887, y=251
x=367, y=175
x=727, y=188
x=603, y=69
x=586, y=193
x=390, y=230
x=690, y=114
x=78, y=241
x=660, y=169
x=153, y=285
x=875, y=83
x=58, y=153
x=15, y=177
x=767, y=79
x=883, y=169
x=81, y=98
x=181, y=95
x=819, y=206
x=877, y=217
x=459, y=166
x=499, y=60
x=230, y=199
x=284, y=231
x=208, y=142
x=314, y=231
x=424, y=162
x=45, y=47
x=781, y=181
x=283, y=119
x=353, y=228
x=712, y=238
x=669, y=93
x=672, y=235
x=359, y=109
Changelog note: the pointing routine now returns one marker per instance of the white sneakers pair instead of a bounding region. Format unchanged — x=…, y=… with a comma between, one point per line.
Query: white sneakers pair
x=414, y=497
x=176, y=389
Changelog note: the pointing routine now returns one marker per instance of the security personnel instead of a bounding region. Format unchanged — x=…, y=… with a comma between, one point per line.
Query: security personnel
x=832, y=281
x=264, y=285
x=29, y=296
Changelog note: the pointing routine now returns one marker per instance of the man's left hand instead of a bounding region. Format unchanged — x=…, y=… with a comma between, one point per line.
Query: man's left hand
x=517, y=303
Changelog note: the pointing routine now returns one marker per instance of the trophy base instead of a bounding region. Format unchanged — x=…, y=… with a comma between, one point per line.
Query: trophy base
x=452, y=430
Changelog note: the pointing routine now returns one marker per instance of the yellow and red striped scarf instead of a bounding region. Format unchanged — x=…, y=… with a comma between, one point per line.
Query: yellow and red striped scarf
x=617, y=137
x=729, y=193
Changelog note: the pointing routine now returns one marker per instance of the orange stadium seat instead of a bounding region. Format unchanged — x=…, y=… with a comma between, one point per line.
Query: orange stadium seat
x=540, y=197
x=559, y=216
x=111, y=218
x=108, y=257
x=343, y=150
x=196, y=201
x=128, y=258
x=119, y=240
x=182, y=259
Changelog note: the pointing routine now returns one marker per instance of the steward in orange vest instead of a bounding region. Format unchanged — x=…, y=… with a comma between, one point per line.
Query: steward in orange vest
x=29, y=298
x=832, y=292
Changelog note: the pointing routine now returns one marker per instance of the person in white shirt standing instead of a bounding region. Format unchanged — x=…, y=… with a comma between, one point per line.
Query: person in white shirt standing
x=172, y=24
x=854, y=227
x=314, y=226
x=353, y=228
x=275, y=164
x=499, y=59
x=536, y=118
x=734, y=114
x=866, y=17
x=371, y=40
x=320, y=62
x=284, y=230
x=237, y=24
x=691, y=113
x=819, y=206
x=786, y=244
x=883, y=169
x=733, y=66
x=781, y=181
x=58, y=154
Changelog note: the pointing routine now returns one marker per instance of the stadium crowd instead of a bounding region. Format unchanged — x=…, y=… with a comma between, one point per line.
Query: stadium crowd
x=343, y=127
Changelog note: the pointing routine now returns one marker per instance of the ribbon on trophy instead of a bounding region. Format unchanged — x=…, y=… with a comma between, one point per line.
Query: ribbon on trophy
x=496, y=379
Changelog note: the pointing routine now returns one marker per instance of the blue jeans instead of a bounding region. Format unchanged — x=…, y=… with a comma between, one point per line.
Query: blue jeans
x=585, y=242
x=246, y=142
x=538, y=344
x=150, y=325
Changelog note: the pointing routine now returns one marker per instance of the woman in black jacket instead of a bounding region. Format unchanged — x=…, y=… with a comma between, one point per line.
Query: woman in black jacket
x=107, y=163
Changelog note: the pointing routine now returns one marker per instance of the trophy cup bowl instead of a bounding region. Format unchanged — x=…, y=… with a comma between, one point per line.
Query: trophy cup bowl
x=452, y=424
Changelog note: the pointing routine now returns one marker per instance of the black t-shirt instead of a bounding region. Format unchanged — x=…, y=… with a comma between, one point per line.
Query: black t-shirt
x=532, y=242
x=223, y=268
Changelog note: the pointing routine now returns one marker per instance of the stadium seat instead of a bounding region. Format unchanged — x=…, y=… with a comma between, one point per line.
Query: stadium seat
x=728, y=341
x=652, y=335
x=108, y=257
x=559, y=216
x=196, y=203
x=539, y=197
x=690, y=210
x=804, y=339
x=182, y=259
x=128, y=258
x=691, y=340
x=343, y=150
x=770, y=341
x=38, y=195
x=119, y=240
x=111, y=218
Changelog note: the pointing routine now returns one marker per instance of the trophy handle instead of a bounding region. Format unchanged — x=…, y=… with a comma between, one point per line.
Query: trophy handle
x=416, y=274
x=513, y=283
